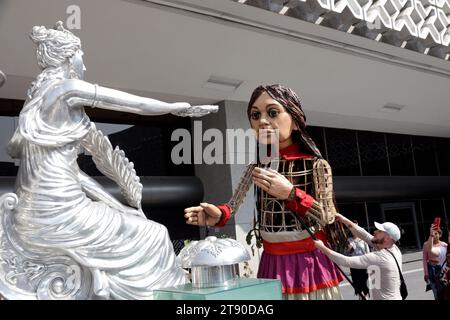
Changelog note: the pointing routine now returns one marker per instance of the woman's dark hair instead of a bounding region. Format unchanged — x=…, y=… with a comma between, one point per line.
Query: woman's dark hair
x=289, y=100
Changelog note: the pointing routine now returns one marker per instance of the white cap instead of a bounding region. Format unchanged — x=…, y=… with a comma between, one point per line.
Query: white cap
x=391, y=229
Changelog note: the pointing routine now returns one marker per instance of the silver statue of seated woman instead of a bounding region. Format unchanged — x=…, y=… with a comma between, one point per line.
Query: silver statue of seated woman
x=62, y=235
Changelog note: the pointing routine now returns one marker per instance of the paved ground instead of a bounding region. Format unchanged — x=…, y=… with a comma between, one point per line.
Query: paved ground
x=413, y=274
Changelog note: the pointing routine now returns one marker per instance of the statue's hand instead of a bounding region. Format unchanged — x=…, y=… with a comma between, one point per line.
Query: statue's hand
x=186, y=110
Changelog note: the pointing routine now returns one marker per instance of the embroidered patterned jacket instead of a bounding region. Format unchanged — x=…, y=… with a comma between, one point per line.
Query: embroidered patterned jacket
x=280, y=230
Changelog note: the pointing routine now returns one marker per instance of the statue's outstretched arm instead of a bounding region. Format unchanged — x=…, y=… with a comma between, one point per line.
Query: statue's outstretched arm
x=82, y=93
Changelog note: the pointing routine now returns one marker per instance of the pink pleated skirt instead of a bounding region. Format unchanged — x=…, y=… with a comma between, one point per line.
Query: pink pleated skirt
x=300, y=272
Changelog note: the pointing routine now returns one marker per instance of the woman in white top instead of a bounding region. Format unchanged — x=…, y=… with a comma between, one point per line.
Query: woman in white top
x=434, y=254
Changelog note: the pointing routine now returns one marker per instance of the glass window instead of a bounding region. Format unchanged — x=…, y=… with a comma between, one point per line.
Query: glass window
x=372, y=150
x=446, y=220
x=169, y=217
x=374, y=213
x=342, y=152
x=316, y=134
x=149, y=148
x=443, y=151
x=270, y=5
x=184, y=169
x=424, y=156
x=431, y=209
x=8, y=169
x=423, y=233
x=400, y=154
x=143, y=145
x=355, y=212
x=405, y=216
x=7, y=128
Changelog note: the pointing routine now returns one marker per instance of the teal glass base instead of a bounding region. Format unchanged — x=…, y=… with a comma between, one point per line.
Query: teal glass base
x=238, y=289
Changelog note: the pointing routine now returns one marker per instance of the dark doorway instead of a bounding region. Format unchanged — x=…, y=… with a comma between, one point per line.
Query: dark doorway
x=403, y=214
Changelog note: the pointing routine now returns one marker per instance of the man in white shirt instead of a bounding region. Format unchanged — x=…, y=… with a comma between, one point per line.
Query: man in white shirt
x=387, y=286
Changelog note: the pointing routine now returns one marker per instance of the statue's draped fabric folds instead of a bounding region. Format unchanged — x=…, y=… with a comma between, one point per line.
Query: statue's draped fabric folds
x=62, y=235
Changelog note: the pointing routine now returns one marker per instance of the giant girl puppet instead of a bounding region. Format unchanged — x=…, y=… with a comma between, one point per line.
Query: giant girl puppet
x=297, y=196
x=62, y=235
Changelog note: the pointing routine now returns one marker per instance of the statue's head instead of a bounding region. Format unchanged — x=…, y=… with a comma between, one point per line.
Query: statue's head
x=56, y=47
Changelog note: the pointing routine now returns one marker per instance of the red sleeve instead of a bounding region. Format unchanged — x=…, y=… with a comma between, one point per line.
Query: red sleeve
x=226, y=215
x=301, y=202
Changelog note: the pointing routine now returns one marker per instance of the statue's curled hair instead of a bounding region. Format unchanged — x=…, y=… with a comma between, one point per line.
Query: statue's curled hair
x=54, y=46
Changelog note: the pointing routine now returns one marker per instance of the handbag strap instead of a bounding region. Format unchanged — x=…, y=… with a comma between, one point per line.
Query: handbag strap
x=443, y=265
x=399, y=271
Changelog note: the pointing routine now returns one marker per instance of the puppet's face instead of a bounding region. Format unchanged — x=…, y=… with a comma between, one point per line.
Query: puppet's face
x=270, y=119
